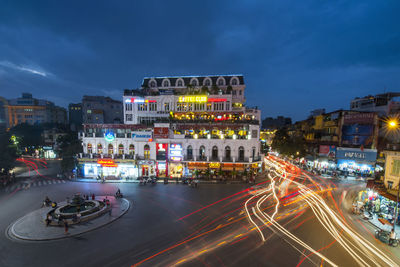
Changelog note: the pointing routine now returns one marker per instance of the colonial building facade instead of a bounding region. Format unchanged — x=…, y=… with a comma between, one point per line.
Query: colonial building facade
x=177, y=127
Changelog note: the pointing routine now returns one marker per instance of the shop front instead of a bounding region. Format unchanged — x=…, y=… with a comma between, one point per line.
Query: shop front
x=146, y=168
x=176, y=169
x=355, y=161
x=162, y=169
x=109, y=169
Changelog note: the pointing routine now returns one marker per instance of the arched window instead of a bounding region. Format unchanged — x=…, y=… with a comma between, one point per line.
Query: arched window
x=241, y=153
x=234, y=81
x=202, y=153
x=194, y=83
x=221, y=81
x=227, y=153
x=152, y=84
x=179, y=83
x=120, y=149
x=166, y=83
x=131, y=150
x=99, y=149
x=214, y=153
x=207, y=82
x=189, y=152
x=146, y=152
x=110, y=149
x=89, y=148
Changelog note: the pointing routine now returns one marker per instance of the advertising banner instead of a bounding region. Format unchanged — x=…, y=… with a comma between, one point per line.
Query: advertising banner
x=359, y=118
x=358, y=134
x=175, y=152
x=327, y=151
x=161, y=132
x=367, y=155
x=141, y=136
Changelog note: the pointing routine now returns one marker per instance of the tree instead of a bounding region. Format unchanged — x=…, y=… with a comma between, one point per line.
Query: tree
x=288, y=145
x=29, y=136
x=8, y=153
x=204, y=90
x=68, y=147
x=229, y=89
x=214, y=90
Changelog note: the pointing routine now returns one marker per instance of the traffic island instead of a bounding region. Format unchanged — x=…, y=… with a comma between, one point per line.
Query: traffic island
x=33, y=227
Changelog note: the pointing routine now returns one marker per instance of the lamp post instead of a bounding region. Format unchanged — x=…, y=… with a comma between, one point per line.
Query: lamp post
x=393, y=124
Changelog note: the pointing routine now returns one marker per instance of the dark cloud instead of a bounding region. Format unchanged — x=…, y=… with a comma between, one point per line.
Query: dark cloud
x=295, y=55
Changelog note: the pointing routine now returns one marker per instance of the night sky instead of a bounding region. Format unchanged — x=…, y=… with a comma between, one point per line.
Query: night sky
x=295, y=55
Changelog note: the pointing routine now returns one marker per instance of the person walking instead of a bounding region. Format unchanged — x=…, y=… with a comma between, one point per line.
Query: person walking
x=66, y=227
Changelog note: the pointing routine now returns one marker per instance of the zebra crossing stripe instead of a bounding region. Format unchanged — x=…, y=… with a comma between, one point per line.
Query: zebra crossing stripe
x=63, y=181
x=40, y=183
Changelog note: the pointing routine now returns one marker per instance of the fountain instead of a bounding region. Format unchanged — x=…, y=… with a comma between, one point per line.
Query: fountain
x=87, y=210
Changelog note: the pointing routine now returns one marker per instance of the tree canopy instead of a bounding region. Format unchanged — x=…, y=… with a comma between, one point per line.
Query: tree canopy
x=8, y=153
x=288, y=145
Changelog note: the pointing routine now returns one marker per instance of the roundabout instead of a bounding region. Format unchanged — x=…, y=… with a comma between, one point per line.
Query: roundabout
x=81, y=215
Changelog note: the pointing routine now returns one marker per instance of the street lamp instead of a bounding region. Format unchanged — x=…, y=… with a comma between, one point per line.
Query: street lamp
x=393, y=124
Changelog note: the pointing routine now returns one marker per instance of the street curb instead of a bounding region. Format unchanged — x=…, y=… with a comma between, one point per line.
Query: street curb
x=10, y=232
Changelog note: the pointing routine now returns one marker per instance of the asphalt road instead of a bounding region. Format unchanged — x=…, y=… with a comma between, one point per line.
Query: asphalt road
x=178, y=225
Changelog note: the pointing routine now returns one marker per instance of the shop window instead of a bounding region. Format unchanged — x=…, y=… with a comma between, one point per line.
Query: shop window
x=189, y=152
x=214, y=153
x=227, y=153
x=131, y=150
x=120, y=149
x=89, y=148
x=99, y=149
x=146, y=152
x=110, y=149
x=202, y=153
x=241, y=153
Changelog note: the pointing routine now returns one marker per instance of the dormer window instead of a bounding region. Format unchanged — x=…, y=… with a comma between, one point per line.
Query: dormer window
x=207, y=82
x=221, y=82
x=166, y=83
x=180, y=83
x=194, y=83
x=152, y=84
x=235, y=82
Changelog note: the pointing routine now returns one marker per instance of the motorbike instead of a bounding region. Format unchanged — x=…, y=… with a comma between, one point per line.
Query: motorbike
x=119, y=195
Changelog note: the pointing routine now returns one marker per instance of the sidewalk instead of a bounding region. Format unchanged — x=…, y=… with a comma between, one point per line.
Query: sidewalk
x=374, y=221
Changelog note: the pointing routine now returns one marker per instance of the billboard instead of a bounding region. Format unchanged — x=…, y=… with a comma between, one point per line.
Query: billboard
x=327, y=151
x=359, y=118
x=175, y=152
x=141, y=136
x=368, y=155
x=161, y=132
x=358, y=135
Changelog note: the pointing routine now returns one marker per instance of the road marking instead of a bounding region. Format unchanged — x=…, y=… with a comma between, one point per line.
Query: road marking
x=40, y=184
x=63, y=181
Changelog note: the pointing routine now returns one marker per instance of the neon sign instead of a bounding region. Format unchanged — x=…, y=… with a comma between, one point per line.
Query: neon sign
x=193, y=99
x=109, y=136
x=107, y=163
x=217, y=100
x=139, y=100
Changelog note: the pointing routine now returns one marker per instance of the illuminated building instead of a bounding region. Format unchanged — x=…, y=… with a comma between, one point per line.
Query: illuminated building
x=176, y=125
x=27, y=109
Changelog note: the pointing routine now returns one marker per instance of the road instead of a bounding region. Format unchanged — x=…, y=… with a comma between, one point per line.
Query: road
x=213, y=225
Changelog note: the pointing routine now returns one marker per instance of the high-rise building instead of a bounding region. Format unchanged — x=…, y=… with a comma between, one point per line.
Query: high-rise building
x=27, y=109
x=100, y=109
x=75, y=116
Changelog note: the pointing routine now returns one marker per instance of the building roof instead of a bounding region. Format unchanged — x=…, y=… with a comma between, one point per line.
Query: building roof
x=187, y=79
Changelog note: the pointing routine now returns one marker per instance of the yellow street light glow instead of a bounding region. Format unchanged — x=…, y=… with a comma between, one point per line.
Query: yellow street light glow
x=392, y=123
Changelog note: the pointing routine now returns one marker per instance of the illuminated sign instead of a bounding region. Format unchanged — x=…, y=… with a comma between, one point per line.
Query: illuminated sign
x=194, y=99
x=141, y=136
x=109, y=136
x=214, y=165
x=175, y=152
x=107, y=163
x=139, y=100
x=217, y=100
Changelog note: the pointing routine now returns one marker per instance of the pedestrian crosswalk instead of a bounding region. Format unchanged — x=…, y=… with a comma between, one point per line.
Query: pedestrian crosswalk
x=33, y=183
